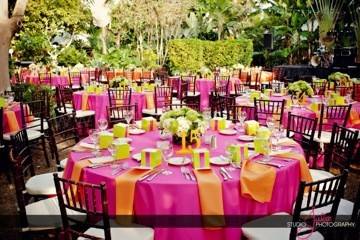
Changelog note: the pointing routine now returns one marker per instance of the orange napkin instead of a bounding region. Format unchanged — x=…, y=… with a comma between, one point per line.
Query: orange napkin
x=354, y=117
x=29, y=117
x=257, y=181
x=125, y=190
x=84, y=101
x=150, y=103
x=304, y=169
x=12, y=121
x=211, y=201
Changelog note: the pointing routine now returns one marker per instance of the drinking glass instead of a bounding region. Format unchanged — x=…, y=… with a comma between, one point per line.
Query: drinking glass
x=167, y=151
x=242, y=117
x=103, y=124
x=128, y=115
x=317, y=90
x=266, y=149
x=112, y=150
x=94, y=137
x=270, y=123
x=348, y=96
x=295, y=100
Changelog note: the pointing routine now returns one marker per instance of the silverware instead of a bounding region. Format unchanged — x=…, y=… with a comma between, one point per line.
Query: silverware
x=154, y=175
x=184, y=173
x=85, y=157
x=99, y=165
x=270, y=164
x=224, y=175
x=192, y=178
x=226, y=172
x=122, y=167
x=149, y=174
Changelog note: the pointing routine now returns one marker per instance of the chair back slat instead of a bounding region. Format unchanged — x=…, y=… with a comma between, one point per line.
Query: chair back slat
x=333, y=114
x=118, y=97
x=117, y=114
x=239, y=88
x=163, y=96
x=192, y=82
x=266, y=108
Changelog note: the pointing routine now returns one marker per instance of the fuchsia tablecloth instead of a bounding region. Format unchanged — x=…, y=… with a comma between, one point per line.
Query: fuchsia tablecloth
x=173, y=195
x=99, y=102
x=56, y=80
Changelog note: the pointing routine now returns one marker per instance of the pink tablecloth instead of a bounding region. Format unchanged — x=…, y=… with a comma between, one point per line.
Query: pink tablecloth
x=173, y=195
x=99, y=102
x=204, y=86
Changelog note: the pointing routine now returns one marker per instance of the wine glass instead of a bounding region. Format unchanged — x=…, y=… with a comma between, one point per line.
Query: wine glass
x=242, y=117
x=112, y=150
x=103, y=124
x=207, y=117
x=266, y=149
x=295, y=100
x=167, y=151
x=128, y=115
x=270, y=123
x=317, y=90
x=94, y=137
x=348, y=96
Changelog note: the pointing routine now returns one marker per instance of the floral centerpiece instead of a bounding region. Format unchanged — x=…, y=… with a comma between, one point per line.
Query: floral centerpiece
x=119, y=82
x=340, y=79
x=182, y=120
x=300, y=89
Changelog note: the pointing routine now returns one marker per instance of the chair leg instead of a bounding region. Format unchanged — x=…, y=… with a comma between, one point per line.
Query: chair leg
x=43, y=143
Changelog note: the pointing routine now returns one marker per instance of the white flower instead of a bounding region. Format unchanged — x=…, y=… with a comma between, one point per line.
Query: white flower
x=184, y=125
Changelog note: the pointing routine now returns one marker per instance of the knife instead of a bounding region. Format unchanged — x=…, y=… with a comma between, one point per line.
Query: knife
x=154, y=175
x=149, y=174
x=270, y=164
x=225, y=172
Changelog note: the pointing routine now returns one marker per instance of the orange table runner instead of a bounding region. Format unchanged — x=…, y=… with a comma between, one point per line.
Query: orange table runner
x=211, y=201
x=84, y=101
x=150, y=102
x=13, y=124
x=257, y=181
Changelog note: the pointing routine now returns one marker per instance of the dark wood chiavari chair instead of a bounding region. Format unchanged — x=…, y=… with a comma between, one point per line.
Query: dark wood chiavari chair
x=218, y=99
x=119, y=96
x=254, y=80
x=162, y=97
x=302, y=130
x=344, y=90
x=319, y=86
x=339, y=153
x=91, y=199
x=62, y=135
x=312, y=196
x=175, y=82
x=45, y=78
x=64, y=100
x=235, y=110
x=75, y=81
x=332, y=114
x=265, y=108
x=221, y=80
x=192, y=85
x=182, y=95
x=193, y=106
x=356, y=92
x=116, y=114
x=239, y=88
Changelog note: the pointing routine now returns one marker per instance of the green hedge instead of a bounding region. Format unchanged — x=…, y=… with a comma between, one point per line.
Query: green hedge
x=189, y=55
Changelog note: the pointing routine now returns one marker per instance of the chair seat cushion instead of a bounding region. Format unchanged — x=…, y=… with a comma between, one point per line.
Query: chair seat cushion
x=63, y=163
x=152, y=111
x=32, y=135
x=84, y=113
x=42, y=184
x=325, y=137
x=176, y=101
x=128, y=233
x=320, y=174
x=253, y=230
x=35, y=125
x=49, y=211
x=193, y=94
x=68, y=110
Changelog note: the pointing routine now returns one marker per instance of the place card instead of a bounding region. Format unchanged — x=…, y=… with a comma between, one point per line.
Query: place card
x=201, y=158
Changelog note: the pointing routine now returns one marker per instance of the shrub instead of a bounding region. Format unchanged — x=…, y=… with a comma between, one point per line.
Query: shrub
x=72, y=56
x=189, y=55
x=149, y=59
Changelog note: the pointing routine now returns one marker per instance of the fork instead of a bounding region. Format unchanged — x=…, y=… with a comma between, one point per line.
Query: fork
x=192, y=178
x=121, y=167
x=184, y=173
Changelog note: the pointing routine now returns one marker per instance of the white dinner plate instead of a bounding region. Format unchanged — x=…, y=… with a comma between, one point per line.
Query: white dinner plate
x=137, y=157
x=228, y=132
x=136, y=131
x=123, y=140
x=281, y=151
x=277, y=94
x=246, y=138
x=179, y=161
x=251, y=145
x=219, y=161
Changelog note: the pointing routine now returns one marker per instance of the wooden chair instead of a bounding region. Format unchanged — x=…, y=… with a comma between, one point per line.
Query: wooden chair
x=235, y=110
x=182, y=94
x=356, y=92
x=339, y=153
x=218, y=100
x=192, y=85
x=62, y=135
x=162, y=97
x=239, y=89
x=119, y=96
x=174, y=82
x=306, y=202
x=75, y=81
x=221, y=80
x=193, y=106
x=91, y=199
x=343, y=90
x=253, y=80
x=302, y=130
x=37, y=185
x=45, y=78
x=320, y=85
x=116, y=114
x=265, y=108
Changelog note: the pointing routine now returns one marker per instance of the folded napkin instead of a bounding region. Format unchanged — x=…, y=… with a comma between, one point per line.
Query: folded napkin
x=87, y=145
x=281, y=151
x=84, y=101
x=257, y=181
x=101, y=160
x=304, y=169
x=13, y=125
x=210, y=193
x=125, y=192
x=287, y=142
x=150, y=103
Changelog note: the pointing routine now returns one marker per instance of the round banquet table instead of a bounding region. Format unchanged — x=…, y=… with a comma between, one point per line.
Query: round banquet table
x=99, y=102
x=56, y=80
x=174, y=195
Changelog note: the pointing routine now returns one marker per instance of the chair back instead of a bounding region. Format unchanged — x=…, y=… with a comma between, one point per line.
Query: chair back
x=84, y=198
x=239, y=88
x=62, y=134
x=45, y=78
x=319, y=86
x=162, y=97
x=116, y=114
x=356, y=92
x=183, y=93
x=33, y=114
x=64, y=99
x=265, y=108
x=221, y=80
x=221, y=90
x=192, y=82
x=341, y=148
x=327, y=192
x=333, y=114
x=119, y=96
x=75, y=80
x=343, y=90
x=235, y=110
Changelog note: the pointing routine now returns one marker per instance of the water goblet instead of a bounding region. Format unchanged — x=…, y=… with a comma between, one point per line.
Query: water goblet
x=103, y=124
x=94, y=137
x=266, y=149
x=128, y=115
x=270, y=123
x=167, y=151
x=242, y=117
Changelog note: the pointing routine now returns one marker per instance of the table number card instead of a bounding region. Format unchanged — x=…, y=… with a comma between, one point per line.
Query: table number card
x=201, y=158
x=151, y=157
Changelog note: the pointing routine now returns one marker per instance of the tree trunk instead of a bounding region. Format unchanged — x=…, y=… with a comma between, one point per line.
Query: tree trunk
x=118, y=40
x=103, y=40
x=7, y=28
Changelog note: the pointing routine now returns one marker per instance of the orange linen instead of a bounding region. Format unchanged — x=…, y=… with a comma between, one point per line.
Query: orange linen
x=257, y=181
x=354, y=117
x=77, y=169
x=125, y=190
x=12, y=121
x=304, y=169
x=211, y=201
x=150, y=103
x=84, y=101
